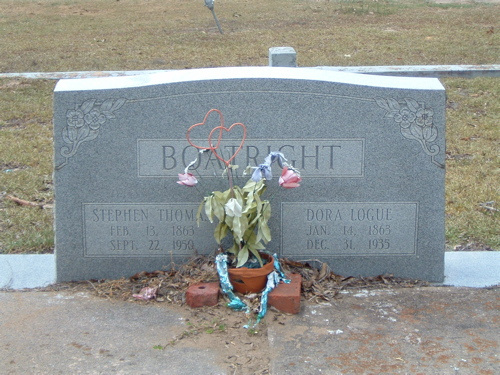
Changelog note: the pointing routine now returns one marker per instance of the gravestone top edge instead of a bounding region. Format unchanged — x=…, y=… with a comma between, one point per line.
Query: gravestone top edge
x=263, y=72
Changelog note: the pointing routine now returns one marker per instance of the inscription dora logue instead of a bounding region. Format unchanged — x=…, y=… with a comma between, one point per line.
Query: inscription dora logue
x=370, y=149
x=353, y=228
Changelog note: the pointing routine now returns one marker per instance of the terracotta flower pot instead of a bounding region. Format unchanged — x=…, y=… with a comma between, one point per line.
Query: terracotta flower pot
x=251, y=280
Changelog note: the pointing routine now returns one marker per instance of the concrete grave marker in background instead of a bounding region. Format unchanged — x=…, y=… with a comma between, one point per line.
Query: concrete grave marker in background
x=371, y=151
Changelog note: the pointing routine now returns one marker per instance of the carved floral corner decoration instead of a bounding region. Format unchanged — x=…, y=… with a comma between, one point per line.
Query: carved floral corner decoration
x=84, y=123
x=415, y=121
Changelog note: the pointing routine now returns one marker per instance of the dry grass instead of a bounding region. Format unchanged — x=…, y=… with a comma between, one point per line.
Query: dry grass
x=26, y=165
x=473, y=165
x=129, y=34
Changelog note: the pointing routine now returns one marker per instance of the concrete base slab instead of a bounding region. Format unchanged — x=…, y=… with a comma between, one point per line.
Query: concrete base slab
x=475, y=269
x=431, y=330
x=19, y=271
x=76, y=333
x=427, y=330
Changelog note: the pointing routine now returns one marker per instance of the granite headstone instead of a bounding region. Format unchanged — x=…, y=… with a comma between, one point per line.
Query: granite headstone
x=371, y=150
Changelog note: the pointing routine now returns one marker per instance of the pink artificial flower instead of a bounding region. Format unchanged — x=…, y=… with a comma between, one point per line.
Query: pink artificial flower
x=289, y=179
x=187, y=179
x=146, y=294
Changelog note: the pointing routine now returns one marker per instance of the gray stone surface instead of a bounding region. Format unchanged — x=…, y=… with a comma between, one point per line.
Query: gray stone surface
x=371, y=150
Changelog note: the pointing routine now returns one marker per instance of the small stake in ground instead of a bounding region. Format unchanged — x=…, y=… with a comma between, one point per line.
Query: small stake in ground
x=210, y=5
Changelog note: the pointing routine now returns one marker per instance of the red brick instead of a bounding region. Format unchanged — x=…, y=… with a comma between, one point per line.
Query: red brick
x=286, y=297
x=203, y=294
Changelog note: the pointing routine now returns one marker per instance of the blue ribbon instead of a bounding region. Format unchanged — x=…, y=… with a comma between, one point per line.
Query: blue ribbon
x=273, y=279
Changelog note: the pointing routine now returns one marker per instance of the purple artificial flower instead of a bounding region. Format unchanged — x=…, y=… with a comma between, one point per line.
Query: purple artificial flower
x=262, y=171
x=275, y=156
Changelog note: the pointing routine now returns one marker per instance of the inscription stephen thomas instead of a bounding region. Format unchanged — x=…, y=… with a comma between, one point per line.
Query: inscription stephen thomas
x=143, y=230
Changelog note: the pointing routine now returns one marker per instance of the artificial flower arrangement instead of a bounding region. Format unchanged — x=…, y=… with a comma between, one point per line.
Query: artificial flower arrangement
x=241, y=212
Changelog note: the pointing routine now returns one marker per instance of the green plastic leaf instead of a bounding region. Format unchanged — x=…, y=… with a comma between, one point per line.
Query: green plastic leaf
x=257, y=254
x=218, y=206
x=238, y=194
x=220, y=231
x=258, y=236
x=242, y=256
x=254, y=217
x=218, y=194
x=208, y=208
x=266, y=210
x=256, y=246
x=259, y=203
x=249, y=199
x=250, y=208
x=244, y=224
x=260, y=187
x=237, y=229
x=265, y=231
x=248, y=170
x=249, y=186
x=233, y=249
x=229, y=220
x=198, y=214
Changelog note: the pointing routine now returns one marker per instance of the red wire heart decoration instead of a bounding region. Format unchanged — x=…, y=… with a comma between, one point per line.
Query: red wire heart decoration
x=221, y=129
x=210, y=146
